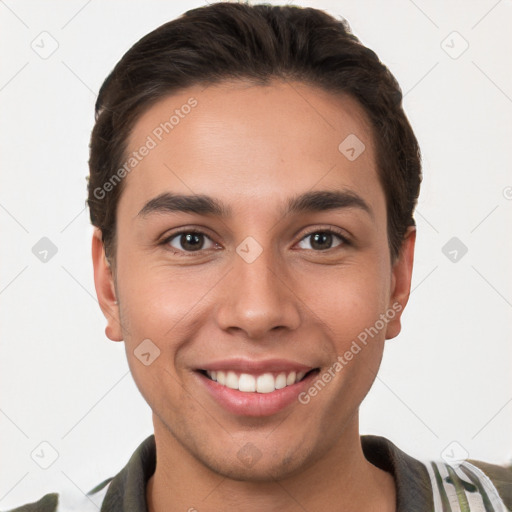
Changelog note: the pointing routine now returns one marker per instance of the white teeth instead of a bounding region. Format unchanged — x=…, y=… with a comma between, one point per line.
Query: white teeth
x=281, y=381
x=291, y=378
x=247, y=383
x=265, y=383
x=232, y=380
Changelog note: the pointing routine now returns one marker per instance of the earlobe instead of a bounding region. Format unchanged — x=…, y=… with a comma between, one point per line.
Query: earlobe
x=401, y=283
x=105, y=288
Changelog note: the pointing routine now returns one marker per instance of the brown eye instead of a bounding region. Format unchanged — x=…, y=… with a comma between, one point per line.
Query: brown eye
x=323, y=240
x=189, y=241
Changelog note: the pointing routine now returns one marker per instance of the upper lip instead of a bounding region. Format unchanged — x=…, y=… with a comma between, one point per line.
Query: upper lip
x=256, y=367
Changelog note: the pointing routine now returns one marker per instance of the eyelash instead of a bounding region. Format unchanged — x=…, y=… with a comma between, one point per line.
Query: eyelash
x=345, y=241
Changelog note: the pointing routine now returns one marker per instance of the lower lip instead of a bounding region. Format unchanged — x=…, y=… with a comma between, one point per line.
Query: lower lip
x=255, y=404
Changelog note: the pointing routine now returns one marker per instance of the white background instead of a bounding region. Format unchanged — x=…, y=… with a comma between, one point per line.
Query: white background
x=445, y=378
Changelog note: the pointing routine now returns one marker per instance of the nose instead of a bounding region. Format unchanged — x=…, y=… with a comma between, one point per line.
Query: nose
x=258, y=298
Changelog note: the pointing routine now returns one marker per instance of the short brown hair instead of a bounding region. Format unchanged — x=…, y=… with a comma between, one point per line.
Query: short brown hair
x=226, y=41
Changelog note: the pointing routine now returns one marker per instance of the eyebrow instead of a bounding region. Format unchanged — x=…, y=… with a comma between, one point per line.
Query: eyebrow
x=308, y=202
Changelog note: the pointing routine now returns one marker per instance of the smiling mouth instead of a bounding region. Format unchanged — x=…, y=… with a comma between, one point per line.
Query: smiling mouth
x=261, y=383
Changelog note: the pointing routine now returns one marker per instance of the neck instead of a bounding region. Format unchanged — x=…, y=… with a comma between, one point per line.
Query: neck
x=343, y=480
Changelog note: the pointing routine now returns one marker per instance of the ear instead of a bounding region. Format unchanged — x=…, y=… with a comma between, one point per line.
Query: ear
x=401, y=282
x=105, y=288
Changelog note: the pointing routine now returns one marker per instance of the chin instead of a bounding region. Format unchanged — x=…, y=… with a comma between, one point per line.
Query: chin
x=252, y=464
x=262, y=471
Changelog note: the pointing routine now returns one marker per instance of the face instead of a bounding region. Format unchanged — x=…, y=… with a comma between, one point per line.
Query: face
x=272, y=275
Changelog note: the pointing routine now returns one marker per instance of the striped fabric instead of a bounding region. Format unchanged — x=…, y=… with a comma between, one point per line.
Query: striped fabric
x=462, y=488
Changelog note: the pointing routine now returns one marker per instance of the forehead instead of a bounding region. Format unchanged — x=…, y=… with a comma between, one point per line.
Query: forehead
x=252, y=144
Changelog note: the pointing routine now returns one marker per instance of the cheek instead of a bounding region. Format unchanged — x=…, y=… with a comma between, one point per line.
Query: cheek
x=348, y=300
x=157, y=301
x=157, y=320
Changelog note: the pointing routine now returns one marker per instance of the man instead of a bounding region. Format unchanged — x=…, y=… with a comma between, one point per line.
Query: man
x=253, y=179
